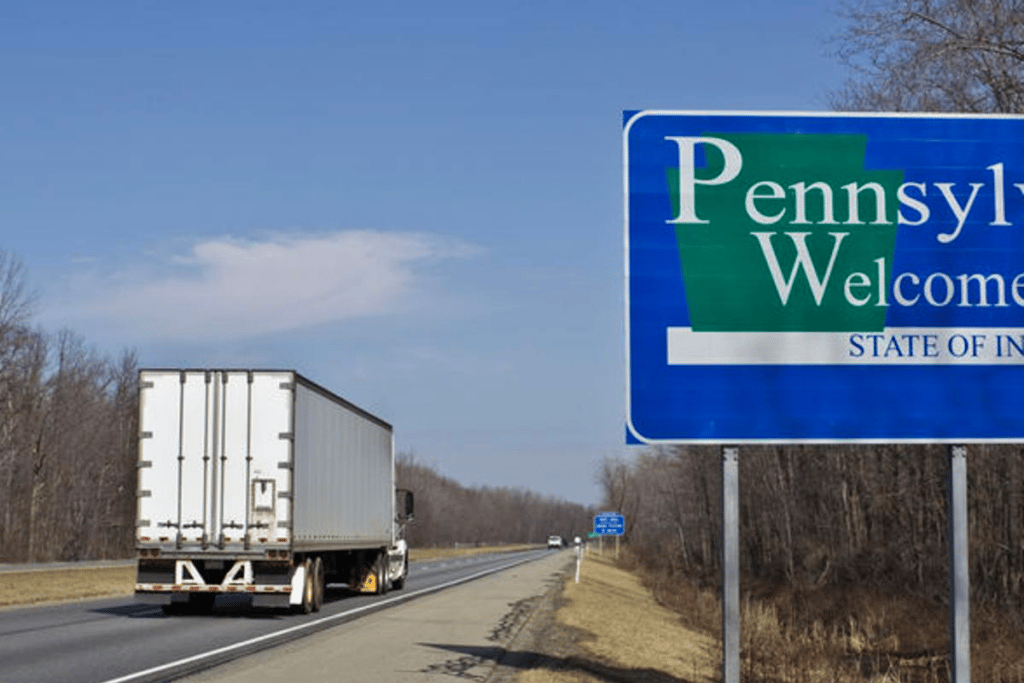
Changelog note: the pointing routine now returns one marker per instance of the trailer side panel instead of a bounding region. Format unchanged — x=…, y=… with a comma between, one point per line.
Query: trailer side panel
x=344, y=486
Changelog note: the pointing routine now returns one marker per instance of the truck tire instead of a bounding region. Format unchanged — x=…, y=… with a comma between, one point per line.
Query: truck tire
x=399, y=583
x=319, y=584
x=306, y=605
x=382, y=573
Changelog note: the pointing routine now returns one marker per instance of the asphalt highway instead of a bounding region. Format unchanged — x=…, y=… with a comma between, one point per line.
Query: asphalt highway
x=117, y=640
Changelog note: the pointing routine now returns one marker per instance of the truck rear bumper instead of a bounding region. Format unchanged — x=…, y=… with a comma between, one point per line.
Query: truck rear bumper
x=184, y=577
x=271, y=600
x=157, y=588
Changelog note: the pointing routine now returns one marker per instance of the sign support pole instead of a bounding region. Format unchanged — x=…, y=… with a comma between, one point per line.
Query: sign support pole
x=731, y=565
x=959, y=568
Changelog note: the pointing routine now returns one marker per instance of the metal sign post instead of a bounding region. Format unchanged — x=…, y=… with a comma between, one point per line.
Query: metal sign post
x=959, y=569
x=730, y=565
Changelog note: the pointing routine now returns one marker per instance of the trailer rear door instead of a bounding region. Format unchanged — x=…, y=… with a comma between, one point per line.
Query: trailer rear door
x=215, y=460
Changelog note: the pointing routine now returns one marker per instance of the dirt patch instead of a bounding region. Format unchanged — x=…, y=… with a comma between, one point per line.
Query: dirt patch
x=605, y=629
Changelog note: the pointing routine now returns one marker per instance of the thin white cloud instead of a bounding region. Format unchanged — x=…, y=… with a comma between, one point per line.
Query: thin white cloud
x=231, y=288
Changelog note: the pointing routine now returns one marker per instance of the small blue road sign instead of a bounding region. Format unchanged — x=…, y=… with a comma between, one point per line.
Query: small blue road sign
x=609, y=524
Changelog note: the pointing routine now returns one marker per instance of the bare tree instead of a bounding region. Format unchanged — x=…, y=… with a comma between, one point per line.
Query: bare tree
x=22, y=360
x=17, y=302
x=67, y=438
x=933, y=55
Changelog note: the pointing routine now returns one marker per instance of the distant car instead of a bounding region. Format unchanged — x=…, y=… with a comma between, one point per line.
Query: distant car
x=554, y=541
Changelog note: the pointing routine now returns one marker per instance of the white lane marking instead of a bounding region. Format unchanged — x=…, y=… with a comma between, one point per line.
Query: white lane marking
x=294, y=629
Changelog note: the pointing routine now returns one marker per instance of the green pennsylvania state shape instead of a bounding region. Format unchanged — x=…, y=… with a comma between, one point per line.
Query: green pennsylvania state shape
x=727, y=268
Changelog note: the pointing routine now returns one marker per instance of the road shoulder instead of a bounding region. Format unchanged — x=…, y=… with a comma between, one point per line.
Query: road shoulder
x=605, y=628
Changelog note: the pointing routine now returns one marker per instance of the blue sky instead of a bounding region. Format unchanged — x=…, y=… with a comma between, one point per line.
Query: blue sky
x=417, y=205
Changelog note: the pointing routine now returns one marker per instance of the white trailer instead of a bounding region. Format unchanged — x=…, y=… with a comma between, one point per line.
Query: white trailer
x=262, y=482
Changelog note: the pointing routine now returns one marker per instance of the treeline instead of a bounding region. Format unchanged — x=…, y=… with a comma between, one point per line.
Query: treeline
x=67, y=438
x=448, y=512
x=816, y=516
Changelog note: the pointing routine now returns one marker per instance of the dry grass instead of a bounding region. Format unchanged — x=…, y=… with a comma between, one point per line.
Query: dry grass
x=865, y=636
x=421, y=554
x=623, y=635
x=812, y=634
x=824, y=635
x=25, y=588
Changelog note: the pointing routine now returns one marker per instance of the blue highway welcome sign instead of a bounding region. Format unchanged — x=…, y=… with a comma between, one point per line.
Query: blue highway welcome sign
x=809, y=278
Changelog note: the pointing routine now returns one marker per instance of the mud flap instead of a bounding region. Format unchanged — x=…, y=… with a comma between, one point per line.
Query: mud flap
x=298, y=585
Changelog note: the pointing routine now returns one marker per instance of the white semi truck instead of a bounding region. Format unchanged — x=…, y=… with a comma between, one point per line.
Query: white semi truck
x=262, y=482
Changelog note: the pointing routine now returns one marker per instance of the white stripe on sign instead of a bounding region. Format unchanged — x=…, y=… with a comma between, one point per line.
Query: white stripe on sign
x=893, y=346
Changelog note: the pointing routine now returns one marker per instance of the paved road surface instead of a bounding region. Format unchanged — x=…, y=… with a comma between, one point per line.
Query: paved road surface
x=116, y=639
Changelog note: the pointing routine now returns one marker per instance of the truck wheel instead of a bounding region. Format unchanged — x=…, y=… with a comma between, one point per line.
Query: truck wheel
x=399, y=583
x=306, y=606
x=382, y=574
x=319, y=584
